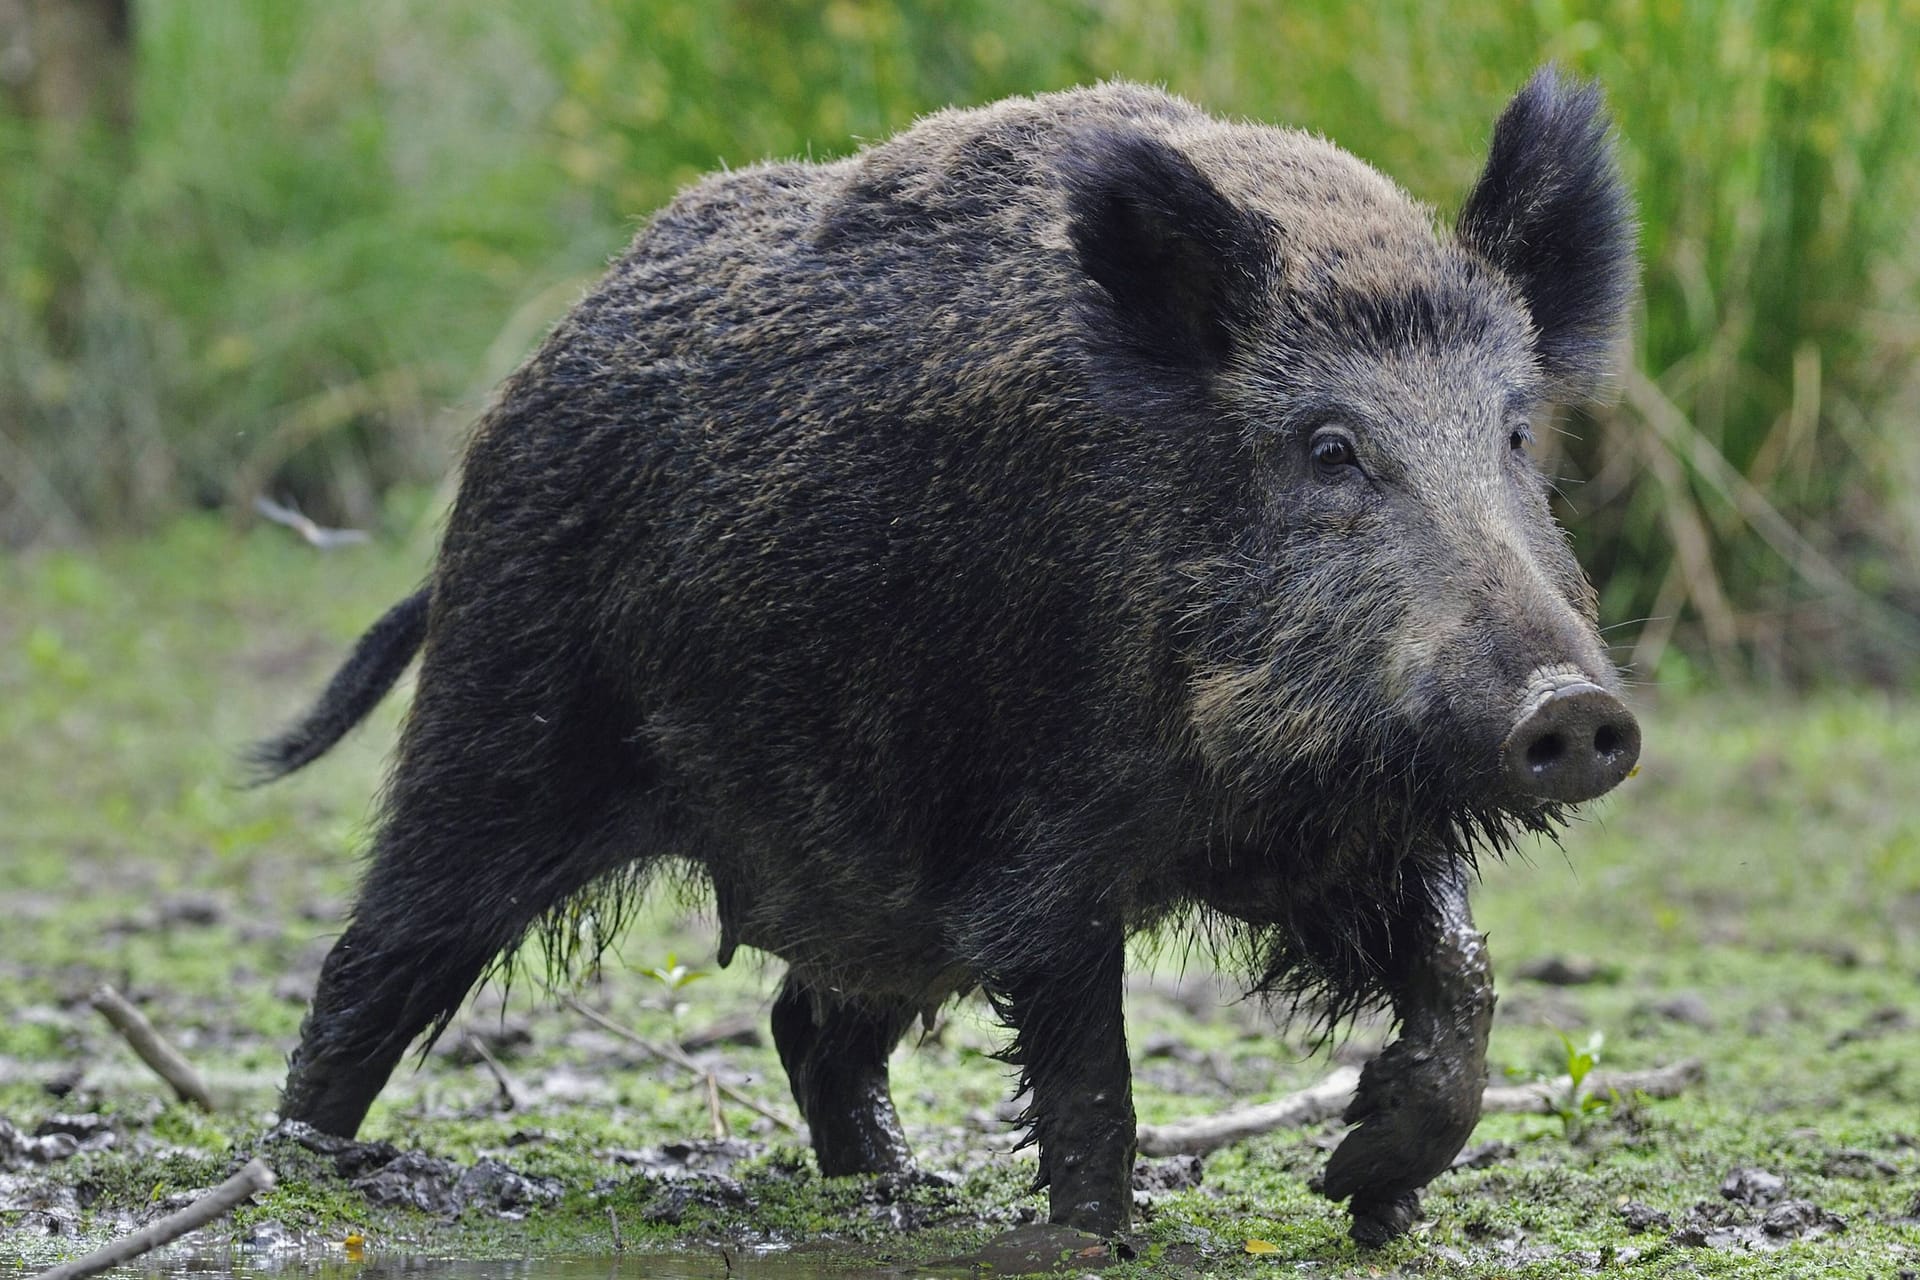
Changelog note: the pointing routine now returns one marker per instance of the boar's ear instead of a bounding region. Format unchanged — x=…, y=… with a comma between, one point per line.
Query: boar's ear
x=1183, y=265
x=1550, y=211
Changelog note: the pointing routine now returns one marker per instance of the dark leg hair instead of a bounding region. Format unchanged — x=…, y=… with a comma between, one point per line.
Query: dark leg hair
x=508, y=798
x=1070, y=1043
x=359, y=1024
x=835, y=1052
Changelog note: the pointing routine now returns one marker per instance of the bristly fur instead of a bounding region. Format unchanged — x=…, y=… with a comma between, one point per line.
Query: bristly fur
x=1550, y=211
x=1182, y=268
x=932, y=552
x=1335, y=958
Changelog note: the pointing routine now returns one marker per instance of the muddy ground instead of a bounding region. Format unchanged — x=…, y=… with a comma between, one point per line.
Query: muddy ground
x=1751, y=900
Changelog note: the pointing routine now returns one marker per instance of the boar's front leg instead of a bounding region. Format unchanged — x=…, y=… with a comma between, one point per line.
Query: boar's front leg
x=1419, y=1100
x=1070, y=1043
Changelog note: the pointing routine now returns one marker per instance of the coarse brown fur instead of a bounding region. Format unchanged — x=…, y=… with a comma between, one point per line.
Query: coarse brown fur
x=938, y=551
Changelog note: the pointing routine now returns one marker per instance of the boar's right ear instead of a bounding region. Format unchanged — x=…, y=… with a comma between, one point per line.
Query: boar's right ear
x=1549, y=210
x=1182, y=265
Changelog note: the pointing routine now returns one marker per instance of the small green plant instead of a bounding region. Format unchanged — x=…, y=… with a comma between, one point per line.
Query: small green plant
x=1574, y=1064
x=1573, y=1108
x=673, y=977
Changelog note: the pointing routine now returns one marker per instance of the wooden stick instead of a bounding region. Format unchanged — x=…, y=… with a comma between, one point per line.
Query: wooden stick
x=254, y=1178
x=1546, y=1097
x=509, y=1091
x=153, y=1049
x=1329, y=1098
x=1198, y=1136
x=713, y=1107
x=673, y=1054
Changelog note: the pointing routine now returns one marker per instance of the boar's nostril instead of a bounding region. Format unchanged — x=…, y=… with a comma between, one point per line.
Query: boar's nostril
x=1573, y=743
x=1544, y=750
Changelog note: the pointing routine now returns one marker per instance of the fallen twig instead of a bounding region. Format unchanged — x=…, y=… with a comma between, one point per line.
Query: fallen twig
x=153, y=1049
x=509, y=1091
x=720, y=1129
x=1547, y=1097
x=315, y=535
x=1329, y=1098
x=252, y=1179
x=1198, y=1136
x=673, y=1054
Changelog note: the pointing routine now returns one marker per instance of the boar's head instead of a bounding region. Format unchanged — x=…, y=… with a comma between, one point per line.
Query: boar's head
x=1383, y=604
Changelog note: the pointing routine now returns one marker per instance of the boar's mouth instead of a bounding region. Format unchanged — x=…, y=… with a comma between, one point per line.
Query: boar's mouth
x=1572, y=741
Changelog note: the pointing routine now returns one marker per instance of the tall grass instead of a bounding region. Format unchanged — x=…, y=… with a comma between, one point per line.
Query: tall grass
x=340, y=223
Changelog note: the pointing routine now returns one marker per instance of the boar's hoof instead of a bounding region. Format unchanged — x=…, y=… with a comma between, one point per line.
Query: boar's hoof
x=1416, y=1106
x=1574, y=743
x=1377, y=1221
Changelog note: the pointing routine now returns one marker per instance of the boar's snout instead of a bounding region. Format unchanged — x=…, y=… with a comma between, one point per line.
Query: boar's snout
x=1573, y=741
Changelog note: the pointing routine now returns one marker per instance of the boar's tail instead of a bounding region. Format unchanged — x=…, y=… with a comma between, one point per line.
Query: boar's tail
x=377, y=660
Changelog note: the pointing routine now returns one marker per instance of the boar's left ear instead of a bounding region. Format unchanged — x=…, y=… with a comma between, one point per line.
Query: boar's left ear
x=1550, y=211
x=1182, y=266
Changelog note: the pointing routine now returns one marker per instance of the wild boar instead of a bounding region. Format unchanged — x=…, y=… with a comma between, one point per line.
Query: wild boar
x=1070, y=517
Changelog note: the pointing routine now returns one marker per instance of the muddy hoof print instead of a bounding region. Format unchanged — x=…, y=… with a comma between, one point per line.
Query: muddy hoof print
x=1377, y=1221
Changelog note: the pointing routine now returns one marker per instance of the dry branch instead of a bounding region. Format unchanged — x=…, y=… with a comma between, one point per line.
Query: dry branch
x=1198, y=1136
x=510, y=1093
x=153, y=1048
x=252, y=1179
x=1329, y=1098
x=314, y=535
x=673, y=1054
x=1547, y=1097
x=720, y=1129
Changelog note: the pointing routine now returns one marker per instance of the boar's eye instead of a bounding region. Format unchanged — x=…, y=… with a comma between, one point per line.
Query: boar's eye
x=1332, y=453
x=1519, y=438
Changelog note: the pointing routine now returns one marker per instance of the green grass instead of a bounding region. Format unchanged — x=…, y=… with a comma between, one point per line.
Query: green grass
x=341, y=224
x=1764, y=867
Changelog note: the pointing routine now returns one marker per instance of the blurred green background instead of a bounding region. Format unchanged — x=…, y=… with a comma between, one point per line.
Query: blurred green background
x=288, y=247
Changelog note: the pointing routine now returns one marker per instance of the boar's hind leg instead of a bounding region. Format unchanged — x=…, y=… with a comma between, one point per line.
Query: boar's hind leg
x=835, y=1052
x=487, y=825
x=359, y=1025
x=424, y=931
x=1419, y=1100
x=1070, y=1043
